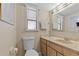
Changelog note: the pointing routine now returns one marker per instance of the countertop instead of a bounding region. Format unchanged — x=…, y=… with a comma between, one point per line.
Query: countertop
x=74, y=45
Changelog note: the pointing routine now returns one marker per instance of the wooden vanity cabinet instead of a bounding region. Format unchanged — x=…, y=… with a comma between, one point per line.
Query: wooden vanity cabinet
x=49, y=49
x=43, y=46
x=51, y=52
x=68, y=52
x=52, y=49
x=58, y=48
x=59, y=54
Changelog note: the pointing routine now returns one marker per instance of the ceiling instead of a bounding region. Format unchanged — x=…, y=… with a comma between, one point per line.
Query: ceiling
x=49, y=6
x=74, y=8
x=46, y=6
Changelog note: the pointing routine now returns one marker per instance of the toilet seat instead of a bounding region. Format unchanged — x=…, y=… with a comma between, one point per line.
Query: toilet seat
x=31, y=53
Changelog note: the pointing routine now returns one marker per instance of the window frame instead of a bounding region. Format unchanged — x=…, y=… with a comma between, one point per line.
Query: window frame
x=27, y=25
x=56, y=23
x=31, y=20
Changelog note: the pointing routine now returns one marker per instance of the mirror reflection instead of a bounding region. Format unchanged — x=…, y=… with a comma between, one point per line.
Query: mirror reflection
x=65, y=19
x=57, y=22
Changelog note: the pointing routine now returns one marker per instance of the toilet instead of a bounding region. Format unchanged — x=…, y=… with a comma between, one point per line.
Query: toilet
x=28, y=43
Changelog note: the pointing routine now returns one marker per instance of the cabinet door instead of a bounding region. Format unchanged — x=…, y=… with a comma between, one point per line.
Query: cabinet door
x=55, y=46
x=59, y=54
x=68, y=52
x=50, y=44
x=43, y=40
x=51, y=52
x=43, y=49
x=58, y=48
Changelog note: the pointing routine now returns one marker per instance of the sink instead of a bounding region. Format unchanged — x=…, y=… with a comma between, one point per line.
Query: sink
x=65, y=41
x=62, y=40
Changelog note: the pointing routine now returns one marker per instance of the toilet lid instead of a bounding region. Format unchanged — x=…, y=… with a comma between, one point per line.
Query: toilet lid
x=31, y=53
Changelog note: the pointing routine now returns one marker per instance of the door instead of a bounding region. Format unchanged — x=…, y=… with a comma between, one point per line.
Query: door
x=43, y=49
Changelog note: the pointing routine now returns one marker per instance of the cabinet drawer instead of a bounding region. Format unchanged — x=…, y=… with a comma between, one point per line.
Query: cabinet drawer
x=68, y=52
x=58, y=48
x=50, y=44
x=51, y=52
x=43, y=40
x=55, y=46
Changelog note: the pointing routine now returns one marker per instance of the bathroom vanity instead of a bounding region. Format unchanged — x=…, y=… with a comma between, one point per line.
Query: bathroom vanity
x=58, y=47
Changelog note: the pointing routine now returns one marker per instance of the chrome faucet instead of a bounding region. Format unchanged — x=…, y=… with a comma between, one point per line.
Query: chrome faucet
x=66, y=39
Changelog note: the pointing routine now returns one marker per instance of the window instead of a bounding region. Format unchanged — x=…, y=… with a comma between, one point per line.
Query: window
x=58, y=22
x=31, y=19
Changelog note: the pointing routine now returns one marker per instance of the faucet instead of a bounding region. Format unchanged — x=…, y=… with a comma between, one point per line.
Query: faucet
x=66, y=39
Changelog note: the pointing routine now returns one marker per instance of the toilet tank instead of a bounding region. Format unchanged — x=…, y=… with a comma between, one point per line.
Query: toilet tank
x=28, y=43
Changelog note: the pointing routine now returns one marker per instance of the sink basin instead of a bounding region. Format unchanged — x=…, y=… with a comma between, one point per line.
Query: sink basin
x=65, y=41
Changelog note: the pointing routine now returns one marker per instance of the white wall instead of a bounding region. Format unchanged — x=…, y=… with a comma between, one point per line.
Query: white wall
x=7, y=37
x=44, y=19
x=20, y=16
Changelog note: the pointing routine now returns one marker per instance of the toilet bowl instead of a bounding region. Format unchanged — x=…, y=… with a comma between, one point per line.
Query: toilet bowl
x=29, y=46
x=31, y=53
